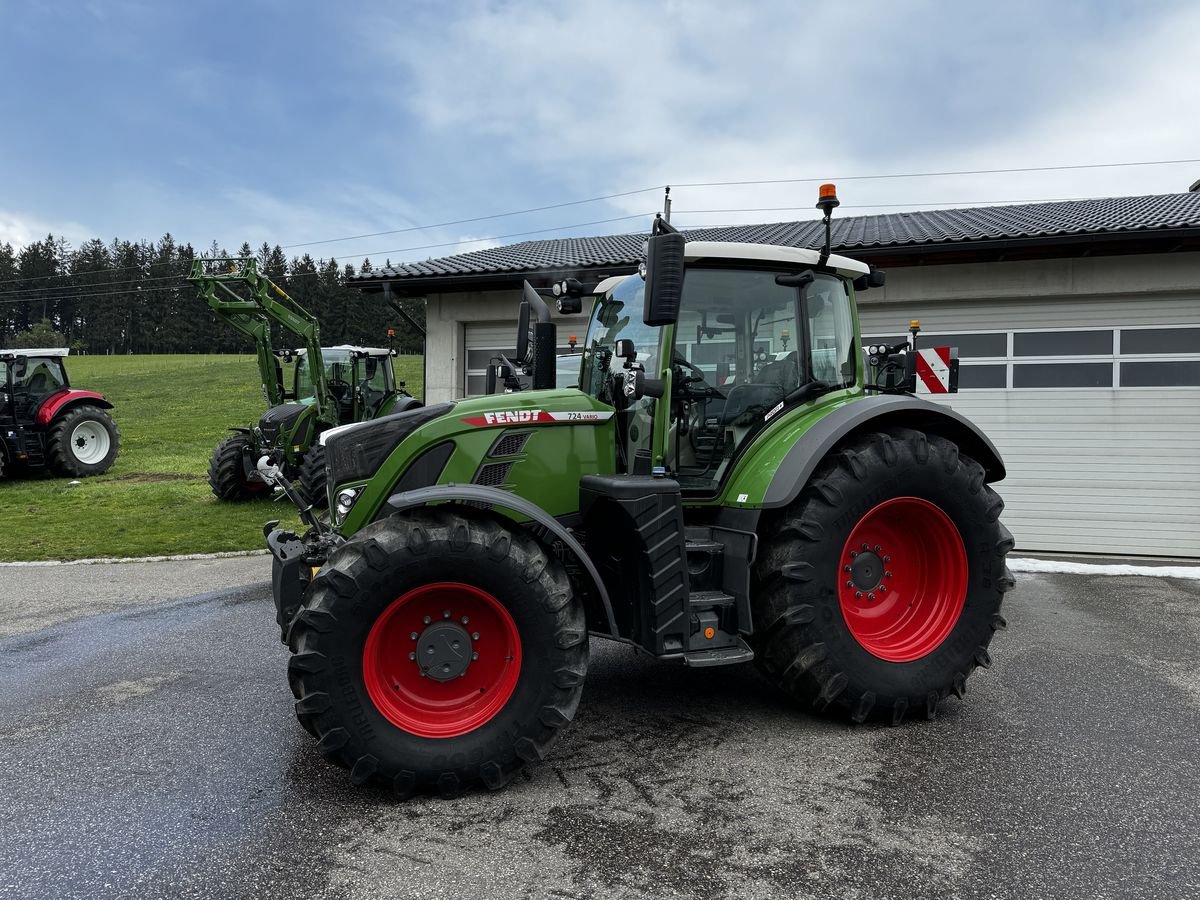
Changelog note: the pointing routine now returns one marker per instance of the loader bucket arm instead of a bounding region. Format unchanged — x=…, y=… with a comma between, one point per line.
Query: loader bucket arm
x=252, y=313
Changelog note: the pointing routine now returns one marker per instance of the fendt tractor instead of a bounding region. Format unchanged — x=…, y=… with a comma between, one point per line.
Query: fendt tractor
x=47, y=424
x=330, y=385
x=733, y=479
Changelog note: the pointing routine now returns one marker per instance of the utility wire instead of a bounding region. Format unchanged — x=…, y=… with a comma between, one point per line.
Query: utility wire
x=133, y=286
x=1024, y=169
x=1155, y=162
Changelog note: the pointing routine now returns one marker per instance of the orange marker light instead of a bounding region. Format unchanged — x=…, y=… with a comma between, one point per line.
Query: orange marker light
x=826, y=190
x=709, y=633
x=571, y=339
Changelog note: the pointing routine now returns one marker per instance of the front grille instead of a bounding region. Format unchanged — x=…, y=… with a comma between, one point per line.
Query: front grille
x=509, y=444
x=492, y=474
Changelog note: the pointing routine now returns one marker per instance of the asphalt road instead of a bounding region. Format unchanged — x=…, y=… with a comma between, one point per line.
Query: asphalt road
x=152, y=752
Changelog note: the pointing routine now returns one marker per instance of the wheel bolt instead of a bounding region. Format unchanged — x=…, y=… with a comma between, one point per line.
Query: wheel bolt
x=865, y=547
x=845, y=568
x=428, y=620
x=445, y=613
x=853, y=554
x=413, y=635
x=454, y=645
x=871, y=597
x=887, y=559
x=887, y=574
x=858, y=595
x=849, y=584
x=474, y=656
x=475, y=636
x=412, y=654
x=465, y=620
x=877, y=548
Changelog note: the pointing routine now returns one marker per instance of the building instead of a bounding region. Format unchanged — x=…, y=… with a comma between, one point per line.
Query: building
x=1077, y=322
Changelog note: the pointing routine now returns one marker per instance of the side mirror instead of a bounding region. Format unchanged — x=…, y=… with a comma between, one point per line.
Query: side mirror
x=664, y=278
x=490, y=383
x=20, y=366
x=872, y=279
x=624, y=349
x=523, y=347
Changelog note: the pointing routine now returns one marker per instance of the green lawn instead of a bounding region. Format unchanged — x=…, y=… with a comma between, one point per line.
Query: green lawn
x=171, y=411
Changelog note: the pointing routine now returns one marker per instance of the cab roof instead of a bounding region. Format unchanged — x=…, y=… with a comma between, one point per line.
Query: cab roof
x=697, y=250
x=38, y=351
x=353, y=348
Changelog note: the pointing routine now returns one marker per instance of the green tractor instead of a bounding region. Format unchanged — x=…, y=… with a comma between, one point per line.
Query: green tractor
x=331, y=386
x=734, y=479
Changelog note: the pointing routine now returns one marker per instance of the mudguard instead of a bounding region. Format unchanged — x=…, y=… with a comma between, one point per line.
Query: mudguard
x=56, y=403
x=872, y=414
x=499, y=501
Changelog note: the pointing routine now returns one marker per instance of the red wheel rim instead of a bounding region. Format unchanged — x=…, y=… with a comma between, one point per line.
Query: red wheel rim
x=902, y=581
x=468, y=641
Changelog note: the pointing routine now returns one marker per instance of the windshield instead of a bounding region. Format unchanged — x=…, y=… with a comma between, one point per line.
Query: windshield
x=337, y=372
x=566, y=370
x=618, y=315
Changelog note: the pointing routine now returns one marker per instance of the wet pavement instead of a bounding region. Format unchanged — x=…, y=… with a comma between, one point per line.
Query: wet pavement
x=152, y=752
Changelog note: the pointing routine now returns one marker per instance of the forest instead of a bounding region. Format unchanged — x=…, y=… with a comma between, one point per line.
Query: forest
x=131, y=297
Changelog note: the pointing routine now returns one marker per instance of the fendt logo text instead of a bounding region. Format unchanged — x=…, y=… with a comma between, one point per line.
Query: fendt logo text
x=513, y=417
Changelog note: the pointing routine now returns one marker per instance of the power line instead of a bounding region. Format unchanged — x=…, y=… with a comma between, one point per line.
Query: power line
x=503, y=215
x=1119, y=165
x=693, y=184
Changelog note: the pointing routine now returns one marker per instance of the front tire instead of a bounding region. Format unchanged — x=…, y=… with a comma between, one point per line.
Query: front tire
x=880, y=591
x=83, y=441
x=312, y=476
x=415, y=700
x=227, y=471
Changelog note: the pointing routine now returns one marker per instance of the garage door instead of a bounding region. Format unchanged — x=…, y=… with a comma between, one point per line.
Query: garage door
x=486, y=341
x=1099, y=428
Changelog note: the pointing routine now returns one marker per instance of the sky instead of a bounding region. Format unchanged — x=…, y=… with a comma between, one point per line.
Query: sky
x=302, y=123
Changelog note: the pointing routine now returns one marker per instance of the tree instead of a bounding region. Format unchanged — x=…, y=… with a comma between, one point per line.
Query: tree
x=41, y=334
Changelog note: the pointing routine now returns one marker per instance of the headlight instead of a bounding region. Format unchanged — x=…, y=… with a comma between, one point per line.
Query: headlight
x=345, y=501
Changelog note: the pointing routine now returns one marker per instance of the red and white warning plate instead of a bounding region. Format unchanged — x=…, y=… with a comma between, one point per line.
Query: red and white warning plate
x=933, y=370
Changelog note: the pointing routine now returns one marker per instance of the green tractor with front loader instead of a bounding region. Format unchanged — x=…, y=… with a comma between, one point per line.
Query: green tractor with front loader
x=734, y=479
x=331, y=386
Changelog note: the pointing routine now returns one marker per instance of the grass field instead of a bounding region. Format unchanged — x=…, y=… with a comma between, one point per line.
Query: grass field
x=171, y=411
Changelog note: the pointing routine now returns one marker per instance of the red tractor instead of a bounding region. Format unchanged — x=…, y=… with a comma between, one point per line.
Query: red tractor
x=45, y=423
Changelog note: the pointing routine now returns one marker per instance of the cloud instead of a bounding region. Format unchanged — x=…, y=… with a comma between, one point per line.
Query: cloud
x=22, y=230
x=600, y=95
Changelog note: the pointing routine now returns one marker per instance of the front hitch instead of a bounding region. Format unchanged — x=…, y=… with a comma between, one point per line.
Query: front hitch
x=294, y=559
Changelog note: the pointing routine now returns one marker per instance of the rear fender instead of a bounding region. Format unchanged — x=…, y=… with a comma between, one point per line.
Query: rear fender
x=65, y=400
x=503, y=504
x=873, y=414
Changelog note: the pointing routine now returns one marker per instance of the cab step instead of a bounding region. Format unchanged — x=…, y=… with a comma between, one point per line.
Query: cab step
x=740, y=652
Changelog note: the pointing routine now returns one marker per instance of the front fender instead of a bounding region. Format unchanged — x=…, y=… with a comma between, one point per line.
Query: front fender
x=872, y=414
x=63, y=400
x=500, y=503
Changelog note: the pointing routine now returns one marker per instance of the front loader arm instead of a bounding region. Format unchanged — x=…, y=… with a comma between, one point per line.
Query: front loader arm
x=253, y=314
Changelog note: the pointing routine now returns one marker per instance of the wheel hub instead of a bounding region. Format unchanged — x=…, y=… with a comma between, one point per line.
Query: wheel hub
x=444, y=651
x=866, y=570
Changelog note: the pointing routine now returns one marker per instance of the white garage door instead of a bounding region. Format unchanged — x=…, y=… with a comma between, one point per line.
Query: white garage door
x=1098, y=426
x=485, y=341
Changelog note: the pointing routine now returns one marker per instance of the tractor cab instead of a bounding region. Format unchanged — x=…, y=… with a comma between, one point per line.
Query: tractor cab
x=30, y=377
x=360, y=380
x=752, y=338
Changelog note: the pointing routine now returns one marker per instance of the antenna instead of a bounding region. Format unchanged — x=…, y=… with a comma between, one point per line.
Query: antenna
x=667, y=204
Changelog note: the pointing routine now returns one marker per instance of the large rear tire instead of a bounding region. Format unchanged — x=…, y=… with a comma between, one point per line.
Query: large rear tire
x=312, y=476
x=83, y=441
x=880, y=589
x=227, y=472
x=437, y=650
